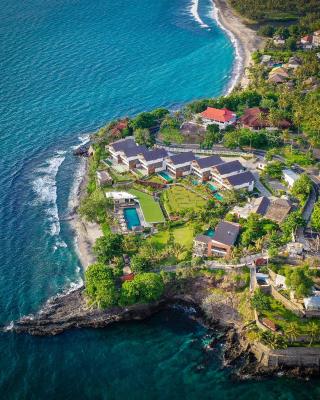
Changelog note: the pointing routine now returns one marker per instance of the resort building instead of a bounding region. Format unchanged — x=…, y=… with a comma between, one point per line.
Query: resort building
x=294, y=62
x=180, y=164
x=224, y=238
x=278, y=209
x=221, y=117
x=306, y=40
x=258, y=118
x=202, y=166
x=279, y=41
x=153, y=160
x=245, y=180
x=104, y=178
x=202, y=246
x=126, y=151
x=316, y=39
x=271, y=208
x=254, y=206
x=222, y=171
x=290, y=177
x=121, y=198
x=254, y=118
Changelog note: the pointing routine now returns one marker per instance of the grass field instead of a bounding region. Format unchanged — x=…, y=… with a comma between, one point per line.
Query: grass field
x=182, y=235
x=178, y=198
x=150, y=208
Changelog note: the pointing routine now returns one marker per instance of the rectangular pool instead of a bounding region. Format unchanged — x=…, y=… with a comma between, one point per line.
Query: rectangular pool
x=165, y=176
x=212, y=187
x=218, y=196
x=131, y=217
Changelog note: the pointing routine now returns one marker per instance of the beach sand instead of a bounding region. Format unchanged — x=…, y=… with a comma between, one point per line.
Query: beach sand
x=244, y=38
x=86, y=232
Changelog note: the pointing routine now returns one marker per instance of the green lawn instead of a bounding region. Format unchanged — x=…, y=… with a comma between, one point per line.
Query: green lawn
x=178, y=198
x=150, y=208
x=182, y=235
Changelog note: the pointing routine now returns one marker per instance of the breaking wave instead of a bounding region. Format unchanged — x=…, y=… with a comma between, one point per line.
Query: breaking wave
x=45, y=187
x=195, y=13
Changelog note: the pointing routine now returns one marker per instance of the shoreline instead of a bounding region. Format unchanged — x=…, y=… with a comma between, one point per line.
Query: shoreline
x=244, y=39
x=85, y=232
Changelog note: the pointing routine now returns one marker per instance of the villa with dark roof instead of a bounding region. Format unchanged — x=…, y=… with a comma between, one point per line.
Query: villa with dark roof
x=180, y=164
x=202, y=166
x=222, y=171
x=126, y=151
x=224, y=238
x=244, y=180
x=153, y=161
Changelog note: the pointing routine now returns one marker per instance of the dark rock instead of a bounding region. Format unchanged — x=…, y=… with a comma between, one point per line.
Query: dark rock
x=82, y=151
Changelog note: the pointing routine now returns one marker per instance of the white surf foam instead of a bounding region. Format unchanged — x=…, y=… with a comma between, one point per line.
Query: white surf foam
x=84, y=139
x=9, y=327
x=195, y=13
x=237, y=67
x=45, y=187
x=79, y=173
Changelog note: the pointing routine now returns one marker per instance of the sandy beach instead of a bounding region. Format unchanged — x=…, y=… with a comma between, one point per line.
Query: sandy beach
x=244, y=39
x=86, y=232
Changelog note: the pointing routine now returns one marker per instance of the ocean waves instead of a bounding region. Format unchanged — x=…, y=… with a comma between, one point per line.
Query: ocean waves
x=45, y=188
x=194, y=11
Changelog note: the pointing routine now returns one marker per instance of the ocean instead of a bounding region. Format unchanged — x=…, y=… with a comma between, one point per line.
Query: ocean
x=67, y=67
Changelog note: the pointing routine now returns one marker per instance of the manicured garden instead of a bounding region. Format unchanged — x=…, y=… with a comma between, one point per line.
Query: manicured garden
x=151, y=209
x=178, y=198
x=183, y=235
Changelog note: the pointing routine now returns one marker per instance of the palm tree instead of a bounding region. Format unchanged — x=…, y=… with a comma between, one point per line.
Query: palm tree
x=292, y=331
x=313, y=331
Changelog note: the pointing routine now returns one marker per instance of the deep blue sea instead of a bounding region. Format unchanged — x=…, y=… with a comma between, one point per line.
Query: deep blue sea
x=67, y=67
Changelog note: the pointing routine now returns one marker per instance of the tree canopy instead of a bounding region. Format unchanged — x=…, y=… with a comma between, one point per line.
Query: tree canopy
x=108, y=246
x=100, y=286
x=145, y=288
x=94, y=206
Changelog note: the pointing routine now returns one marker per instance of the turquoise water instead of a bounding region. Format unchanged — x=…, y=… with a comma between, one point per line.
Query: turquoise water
x=212, y=187
x=210, y=232
x=68, y=66
x=132, y=218
x=218, y=196
x=165, y=176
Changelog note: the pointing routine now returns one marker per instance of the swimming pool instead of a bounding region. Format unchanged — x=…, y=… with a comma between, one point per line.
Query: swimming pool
x=218, y=196
x=209, y=232
x=165, y=176
x=132, y=218
x=212, y=187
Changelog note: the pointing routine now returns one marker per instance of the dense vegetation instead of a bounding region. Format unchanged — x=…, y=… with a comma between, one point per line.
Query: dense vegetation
x=266, y=10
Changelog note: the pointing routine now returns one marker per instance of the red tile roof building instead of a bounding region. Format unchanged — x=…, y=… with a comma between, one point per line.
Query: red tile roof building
x=221, y=117
x=257, y=118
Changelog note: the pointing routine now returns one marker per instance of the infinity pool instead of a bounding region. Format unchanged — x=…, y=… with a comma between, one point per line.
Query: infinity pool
x=132, y=218
x=165, y=176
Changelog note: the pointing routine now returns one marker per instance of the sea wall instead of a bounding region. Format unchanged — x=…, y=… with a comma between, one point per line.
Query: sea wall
x=307, y=357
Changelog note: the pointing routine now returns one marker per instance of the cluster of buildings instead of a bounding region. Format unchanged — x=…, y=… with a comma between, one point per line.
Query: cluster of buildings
x=228, y=175
x=253, y=118
x=310, y=42
x=281, y=73
x=273, y=208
